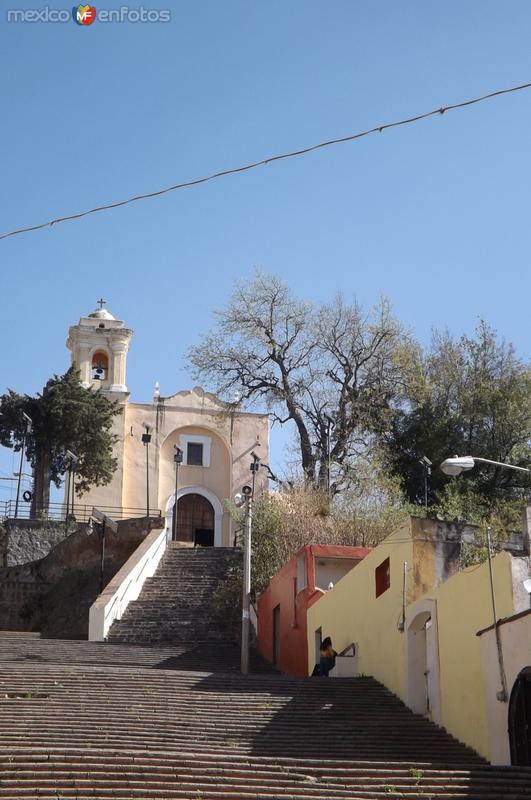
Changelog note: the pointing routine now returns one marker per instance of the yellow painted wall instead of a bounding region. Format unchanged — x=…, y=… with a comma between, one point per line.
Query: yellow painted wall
x=351, y=612
x=464, y=607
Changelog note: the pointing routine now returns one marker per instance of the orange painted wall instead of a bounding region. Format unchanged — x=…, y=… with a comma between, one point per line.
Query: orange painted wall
x=293, y=606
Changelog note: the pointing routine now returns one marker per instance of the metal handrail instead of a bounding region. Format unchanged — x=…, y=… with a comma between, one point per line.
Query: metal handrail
x=80, y=511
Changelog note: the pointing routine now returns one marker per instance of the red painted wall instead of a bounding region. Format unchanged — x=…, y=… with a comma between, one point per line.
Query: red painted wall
x=293, y=606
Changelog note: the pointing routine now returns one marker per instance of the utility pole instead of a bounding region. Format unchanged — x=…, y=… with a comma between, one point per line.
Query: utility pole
x=330, y=423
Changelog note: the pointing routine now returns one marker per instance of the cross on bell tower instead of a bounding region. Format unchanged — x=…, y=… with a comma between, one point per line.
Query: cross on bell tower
x=99, y=345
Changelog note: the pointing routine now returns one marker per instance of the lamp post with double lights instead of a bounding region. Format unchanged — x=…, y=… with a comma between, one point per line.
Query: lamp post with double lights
x=455, y=466
x=246, y=498
x=178, y=458
x=27, y=431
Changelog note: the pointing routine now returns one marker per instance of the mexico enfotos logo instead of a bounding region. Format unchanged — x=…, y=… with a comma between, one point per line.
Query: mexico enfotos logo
x=85, y=15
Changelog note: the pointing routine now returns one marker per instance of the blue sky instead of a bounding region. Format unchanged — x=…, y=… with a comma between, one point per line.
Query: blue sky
x=433, y=215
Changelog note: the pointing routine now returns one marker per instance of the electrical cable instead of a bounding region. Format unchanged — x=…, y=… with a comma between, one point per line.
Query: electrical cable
x=269, y=160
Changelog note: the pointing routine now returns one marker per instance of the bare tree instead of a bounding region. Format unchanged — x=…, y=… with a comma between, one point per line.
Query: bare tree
x=331, y=370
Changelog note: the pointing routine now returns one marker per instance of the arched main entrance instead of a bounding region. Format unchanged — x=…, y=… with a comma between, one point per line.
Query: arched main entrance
x=520, y=720
x=200, y=518
x=195, y=520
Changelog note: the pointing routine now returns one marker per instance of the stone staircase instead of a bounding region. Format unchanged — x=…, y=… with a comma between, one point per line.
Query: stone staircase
x=160, y=711
x=175, y=605
x=79, y=731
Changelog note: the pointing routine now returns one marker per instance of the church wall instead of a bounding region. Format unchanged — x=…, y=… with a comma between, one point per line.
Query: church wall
x=192, y=412
x=229, y=465
x=111, y=496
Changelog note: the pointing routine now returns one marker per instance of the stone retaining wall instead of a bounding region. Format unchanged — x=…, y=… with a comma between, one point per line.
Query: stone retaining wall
x=53, y=594
x=25, y=540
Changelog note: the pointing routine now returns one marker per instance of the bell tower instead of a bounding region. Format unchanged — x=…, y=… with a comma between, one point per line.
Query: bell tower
x=99, y=345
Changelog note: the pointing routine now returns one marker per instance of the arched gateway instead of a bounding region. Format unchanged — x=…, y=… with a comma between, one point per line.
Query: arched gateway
x=195, y=520
x=199, y=517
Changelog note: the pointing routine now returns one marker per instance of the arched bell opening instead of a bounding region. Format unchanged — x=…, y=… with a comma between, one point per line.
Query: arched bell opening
x=100, y=366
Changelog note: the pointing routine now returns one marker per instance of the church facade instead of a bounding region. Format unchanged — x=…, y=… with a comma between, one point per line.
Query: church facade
x=212, y=442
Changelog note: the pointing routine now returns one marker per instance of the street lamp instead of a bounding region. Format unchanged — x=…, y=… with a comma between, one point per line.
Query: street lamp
x=26, y=433
x=178, y=458
x=247, y=497
x=426, y=466
x=105, y=522
x=458, y=464
x=70, y=487
x=146, y=438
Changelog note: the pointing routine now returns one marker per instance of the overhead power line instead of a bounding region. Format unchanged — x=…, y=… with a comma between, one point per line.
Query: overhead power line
x=263, y=162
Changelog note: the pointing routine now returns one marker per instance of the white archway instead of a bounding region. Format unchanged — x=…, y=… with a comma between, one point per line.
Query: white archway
x=208, y=495
x=422, y=660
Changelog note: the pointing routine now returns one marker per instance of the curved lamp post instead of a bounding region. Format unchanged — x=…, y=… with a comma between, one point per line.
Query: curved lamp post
x=458, y=464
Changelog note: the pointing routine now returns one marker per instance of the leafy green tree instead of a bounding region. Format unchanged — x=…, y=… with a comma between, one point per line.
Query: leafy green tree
x=470, y=396
x=66, y=416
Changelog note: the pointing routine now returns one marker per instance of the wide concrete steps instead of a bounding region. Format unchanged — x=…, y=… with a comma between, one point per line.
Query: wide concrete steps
x=130, y=731
x=133, y=708
x=196, y=656
x=175, y=605
x=76, y=773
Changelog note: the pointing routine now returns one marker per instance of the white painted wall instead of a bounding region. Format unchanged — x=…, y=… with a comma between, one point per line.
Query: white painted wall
x=126, y=585
x=331, y=570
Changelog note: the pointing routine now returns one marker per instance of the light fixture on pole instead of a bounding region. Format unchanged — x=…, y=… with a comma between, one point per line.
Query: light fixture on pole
x=70, y=490
x=178, y=458
x=426, y=466
x=146, y=438
x=458, y=464
x=247, y=497
x=106, y=522
x=27, y=431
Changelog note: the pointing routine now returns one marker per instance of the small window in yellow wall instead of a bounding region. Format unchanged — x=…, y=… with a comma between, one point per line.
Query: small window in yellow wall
x=382, y=575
